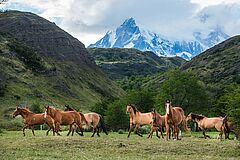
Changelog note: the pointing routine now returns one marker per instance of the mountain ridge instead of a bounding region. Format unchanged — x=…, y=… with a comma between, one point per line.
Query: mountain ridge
x=130, y=35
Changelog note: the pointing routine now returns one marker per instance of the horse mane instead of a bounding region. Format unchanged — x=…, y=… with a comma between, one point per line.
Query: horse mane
x=197, y=116
x=135, y=110
x=26, y=110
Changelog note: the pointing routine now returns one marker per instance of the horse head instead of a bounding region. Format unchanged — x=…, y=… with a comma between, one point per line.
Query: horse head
x=131, y=108
x=16, y=112
x=168, y=106
x=189, y=117
x=68, y=108
x=47, y=111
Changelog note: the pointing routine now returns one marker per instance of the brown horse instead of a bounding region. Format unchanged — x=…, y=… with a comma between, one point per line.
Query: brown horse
x=64, y=118
x=138, y=119
x=204, y=123
x=31, y=119
x=95, y=120
x=158, y=122
x=174, y=118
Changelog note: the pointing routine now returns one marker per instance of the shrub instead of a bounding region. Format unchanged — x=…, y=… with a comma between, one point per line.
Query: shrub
x=120, y=131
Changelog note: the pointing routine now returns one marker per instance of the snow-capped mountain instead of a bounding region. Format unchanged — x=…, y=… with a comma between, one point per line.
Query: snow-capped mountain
x=129, y=35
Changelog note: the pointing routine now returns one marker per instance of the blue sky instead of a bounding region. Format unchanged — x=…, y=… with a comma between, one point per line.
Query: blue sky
x=89, y=20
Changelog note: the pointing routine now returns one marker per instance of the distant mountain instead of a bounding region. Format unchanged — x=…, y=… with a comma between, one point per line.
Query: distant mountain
x=120, y=63
x=219, y=64
x=41, y=62
x=129, y=35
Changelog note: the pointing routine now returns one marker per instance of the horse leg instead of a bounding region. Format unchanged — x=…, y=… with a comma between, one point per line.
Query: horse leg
x=32, y=127
x=94, y=131
x=161, y=130
x=220, y=135
x=98, y=132
x=168, y=132
x=132, y=126
x=24, y=129
x=70, y=129
x=205, y=136
x=80, y=128
x=137, y=128
x=157, y=133
x=151, y=133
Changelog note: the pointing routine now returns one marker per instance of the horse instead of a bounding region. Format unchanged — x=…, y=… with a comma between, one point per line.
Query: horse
x=204, y=123
x=174, y=118
x=158, y=122
x=137, y=119
x=65, y=118
x=31, y=119
x=229, y=126
x=95, y=120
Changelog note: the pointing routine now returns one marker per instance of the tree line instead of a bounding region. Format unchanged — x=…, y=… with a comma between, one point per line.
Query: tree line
x=183, y=88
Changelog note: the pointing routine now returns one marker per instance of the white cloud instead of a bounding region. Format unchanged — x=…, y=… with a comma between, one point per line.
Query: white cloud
x=88, y=20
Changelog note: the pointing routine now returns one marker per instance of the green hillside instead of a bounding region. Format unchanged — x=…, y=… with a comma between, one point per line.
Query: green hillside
x=34, y=69
x=220, y=64
x=123, y=63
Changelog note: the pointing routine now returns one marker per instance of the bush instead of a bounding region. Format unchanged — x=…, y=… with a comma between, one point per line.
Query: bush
x=116, y=117
x=120, y=131
x=144, y=130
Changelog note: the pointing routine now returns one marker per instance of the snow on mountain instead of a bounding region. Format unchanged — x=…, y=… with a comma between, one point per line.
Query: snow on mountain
x=129, y=35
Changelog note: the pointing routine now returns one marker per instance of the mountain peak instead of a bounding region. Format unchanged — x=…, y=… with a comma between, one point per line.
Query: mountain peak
x=130, y=22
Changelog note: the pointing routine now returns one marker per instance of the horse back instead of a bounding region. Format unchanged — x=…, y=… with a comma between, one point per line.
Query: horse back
x=214, y=122
x=35, y=119
x=145, y=118
x=69, y=117
x=92, y=117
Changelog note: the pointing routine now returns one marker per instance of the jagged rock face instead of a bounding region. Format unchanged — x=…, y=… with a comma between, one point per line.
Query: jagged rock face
x=44, y=36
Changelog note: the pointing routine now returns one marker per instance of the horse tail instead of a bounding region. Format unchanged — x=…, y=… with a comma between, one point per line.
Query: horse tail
x=184, y=123
x=83, y=118
x=102, y=125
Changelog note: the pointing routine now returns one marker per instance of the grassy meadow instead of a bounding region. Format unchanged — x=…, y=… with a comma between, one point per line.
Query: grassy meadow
x=114, y=146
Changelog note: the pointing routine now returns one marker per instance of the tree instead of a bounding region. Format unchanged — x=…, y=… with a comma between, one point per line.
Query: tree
x=185, y=90
x=143, y=99
x=116, y=117
x=228, y=104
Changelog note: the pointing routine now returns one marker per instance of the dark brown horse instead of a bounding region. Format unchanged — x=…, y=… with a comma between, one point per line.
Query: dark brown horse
x=64, y=118
x=31, y=119
x=158, y=122
x=204, y=123
x=138, y=119
x=93, y=119
x=174, y=118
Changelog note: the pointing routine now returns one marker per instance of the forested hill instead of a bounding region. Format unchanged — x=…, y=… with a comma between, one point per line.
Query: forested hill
x=220, y=64
x=120, y=63
x=41, y=63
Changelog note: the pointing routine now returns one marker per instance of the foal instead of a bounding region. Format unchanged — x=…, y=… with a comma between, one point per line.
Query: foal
x=158, y=122
x=31, y=119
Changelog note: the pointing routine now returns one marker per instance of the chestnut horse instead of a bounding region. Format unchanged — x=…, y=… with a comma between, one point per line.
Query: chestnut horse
x=138, y=119
x=158, y=122
x=31, y=119
x=204, y=123
x=64, y=118
x=95, y=120
x=174, y=118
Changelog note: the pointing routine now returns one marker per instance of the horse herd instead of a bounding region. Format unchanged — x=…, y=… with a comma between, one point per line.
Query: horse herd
x=173, y=121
